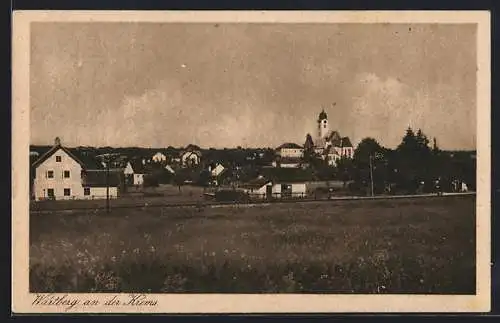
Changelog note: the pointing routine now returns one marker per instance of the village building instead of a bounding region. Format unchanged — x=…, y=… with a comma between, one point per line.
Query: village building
x=159, y=157
x=216, y=169
x=288, y=162
x=290, y=150
x=260, y=187
x=191, y=156
x=134, y=172
x=289, y=155
x=279, y=183
x=62, y=173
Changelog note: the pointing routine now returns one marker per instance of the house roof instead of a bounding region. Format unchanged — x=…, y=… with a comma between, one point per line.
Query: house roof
x=287, y=175
x=191, y=152
x=346, y=142
x=192, y=147
x=97, y=178
x=290, y=145
x=256, y=183
x=85, y=160
x=137, y=166
x=338, y=141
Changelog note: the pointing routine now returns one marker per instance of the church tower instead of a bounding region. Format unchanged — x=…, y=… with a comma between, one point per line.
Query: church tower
x=322, y=125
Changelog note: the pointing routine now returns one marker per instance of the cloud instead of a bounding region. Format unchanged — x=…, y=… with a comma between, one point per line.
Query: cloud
x=384, y=107
x=170, y=115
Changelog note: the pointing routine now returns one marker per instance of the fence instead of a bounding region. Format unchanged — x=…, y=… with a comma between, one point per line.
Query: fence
x=282, y=195
x=75, y=205
x=75, y=198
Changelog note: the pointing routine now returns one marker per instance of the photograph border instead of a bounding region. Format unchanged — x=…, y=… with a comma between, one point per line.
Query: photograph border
x=22, y=299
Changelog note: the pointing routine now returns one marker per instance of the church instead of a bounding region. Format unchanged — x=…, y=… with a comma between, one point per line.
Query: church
x=329, y=144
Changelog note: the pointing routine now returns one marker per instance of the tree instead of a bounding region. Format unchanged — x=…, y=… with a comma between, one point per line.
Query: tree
x=435, y=148
x=309, y=144
x=310, y=156
x=345, y=170
x=370, y=164
x=414, y=162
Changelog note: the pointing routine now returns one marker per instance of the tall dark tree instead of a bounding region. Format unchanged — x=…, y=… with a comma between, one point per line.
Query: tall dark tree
x=408, y=144
x=414, y=162
x=370, y=163
x=309, y=144
x=422, y=141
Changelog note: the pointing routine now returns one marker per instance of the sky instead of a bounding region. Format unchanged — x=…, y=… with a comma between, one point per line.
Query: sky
x=250, y=85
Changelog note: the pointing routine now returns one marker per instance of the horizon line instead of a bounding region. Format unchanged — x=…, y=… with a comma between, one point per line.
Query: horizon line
x=215, y=148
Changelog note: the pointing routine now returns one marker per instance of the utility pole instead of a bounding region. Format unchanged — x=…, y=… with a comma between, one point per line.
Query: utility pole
x=107, y=158
x=371, y=174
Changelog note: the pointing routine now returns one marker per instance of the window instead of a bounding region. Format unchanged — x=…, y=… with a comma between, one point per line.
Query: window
x=50, y=174
x=50, y=192
x=58, y=159
x=67, y=192
x=66, y=174
x=86, y=191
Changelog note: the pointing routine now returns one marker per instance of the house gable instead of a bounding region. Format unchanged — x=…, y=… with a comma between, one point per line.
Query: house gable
x=59, y=159
x=128, y=169
x=59, y=150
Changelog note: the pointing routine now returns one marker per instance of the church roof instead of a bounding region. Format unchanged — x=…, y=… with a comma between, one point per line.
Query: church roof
x=346, y=142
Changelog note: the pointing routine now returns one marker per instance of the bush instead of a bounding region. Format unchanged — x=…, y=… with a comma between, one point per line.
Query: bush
x=231, y=196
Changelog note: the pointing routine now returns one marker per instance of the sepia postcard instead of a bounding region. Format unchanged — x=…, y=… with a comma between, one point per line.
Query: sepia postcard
x=250, y=161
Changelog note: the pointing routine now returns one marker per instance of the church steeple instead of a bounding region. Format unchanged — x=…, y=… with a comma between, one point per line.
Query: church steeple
x=322, y=125
x=322, y=115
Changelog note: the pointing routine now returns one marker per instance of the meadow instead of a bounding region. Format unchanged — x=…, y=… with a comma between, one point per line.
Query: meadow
x=424, y=245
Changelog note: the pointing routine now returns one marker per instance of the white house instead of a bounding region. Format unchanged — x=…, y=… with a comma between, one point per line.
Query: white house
x=61, y=175
x=288, y=162
x=258, y=188
x=190, y=158
x=289, y=189
x=263, y=188
x=135, y=172
x=291, y=150
x=279, y=183
x=288, y=155
x=159, y=158
x=216, y=170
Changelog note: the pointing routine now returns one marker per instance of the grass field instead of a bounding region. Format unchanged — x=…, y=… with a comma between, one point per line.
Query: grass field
x=399, y=246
